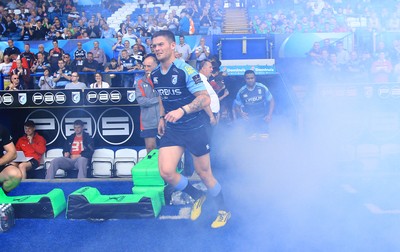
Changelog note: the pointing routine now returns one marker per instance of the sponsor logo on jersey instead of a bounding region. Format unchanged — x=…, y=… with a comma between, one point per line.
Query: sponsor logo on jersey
x=169, y=91
x=190, y=70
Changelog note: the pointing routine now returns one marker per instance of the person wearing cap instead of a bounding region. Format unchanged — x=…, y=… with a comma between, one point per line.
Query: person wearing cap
x=77, y=152
x=33, y=145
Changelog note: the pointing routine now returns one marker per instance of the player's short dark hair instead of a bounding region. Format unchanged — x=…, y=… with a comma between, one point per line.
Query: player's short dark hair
x=30, y=124
x=165, y=33
x=249, y=72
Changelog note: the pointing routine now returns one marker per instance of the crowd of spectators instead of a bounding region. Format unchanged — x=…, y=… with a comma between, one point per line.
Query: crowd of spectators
x=340, y=64
x=64, y=19
x=285, y=17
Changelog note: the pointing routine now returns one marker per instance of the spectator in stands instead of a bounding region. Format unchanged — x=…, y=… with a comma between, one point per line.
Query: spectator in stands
x=93, y=30
x=354, y=68
x=11, y=49
x=10, y=27
x=107, y=32
x=148, y=100
x=315, y=53
x=14, y=83
x=147, y=46
x=122, y=29
x=381, y=69
x=172, y=23
x=55, y=54
x=130, y=33
x=127, y=47
x=117, y=47
x=67, y=7
x=202, y=52
x=46, y=81
x=39, y=32
x=182, y=50
x=216, y=12
x=62, y=76
x=138, y=55
x=78, y=150
x=59, y=36
x=30, y=5
x=184, y=24
x=5, y=66
x=83, y=35
x=51, y=33
x=128, y=21
x=128, y=64
x=140, y=45
x=69, y=64
x=140, y=24
x=28, y=55
x=254, y=104
x=43, y=52
x=12, y=5
x=39, y=65
x=99, y=82
x=115, y=78
x=79, y=57
x=58, y=25
x=328, y=46
x=205, y=19
x=33, y=145
x=214, y=29
x=91, y=66
x=23, y=74
x=10, y=176
x=321, y=62
x=75, y=83
x=73, y=15
x=98, y=54
x=342, y=54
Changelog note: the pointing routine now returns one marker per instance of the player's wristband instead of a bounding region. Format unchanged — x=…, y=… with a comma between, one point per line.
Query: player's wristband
x=162, y=117
x=184, y=111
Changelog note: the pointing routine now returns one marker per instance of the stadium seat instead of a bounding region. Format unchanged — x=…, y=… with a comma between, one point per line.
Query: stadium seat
x=142, y=153
x=52, y=154
x=103, y=163
x=124, y=160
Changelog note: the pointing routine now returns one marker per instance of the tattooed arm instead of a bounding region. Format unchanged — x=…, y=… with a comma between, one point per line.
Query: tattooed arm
x=201, y=101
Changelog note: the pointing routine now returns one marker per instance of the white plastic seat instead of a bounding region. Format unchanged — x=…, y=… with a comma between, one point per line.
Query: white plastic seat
x=142, y=154
x=103, y=163
x=50, y=155
x=124, y=160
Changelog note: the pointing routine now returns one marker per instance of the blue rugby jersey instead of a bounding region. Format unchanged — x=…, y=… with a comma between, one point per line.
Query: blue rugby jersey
x=254, y=102
x=176, y=88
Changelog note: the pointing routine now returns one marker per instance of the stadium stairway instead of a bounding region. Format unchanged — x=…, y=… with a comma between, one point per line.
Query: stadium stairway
x=236, y=21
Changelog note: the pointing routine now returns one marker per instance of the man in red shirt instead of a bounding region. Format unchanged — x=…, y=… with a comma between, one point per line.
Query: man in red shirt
x=33, y=145
x=77, y=152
